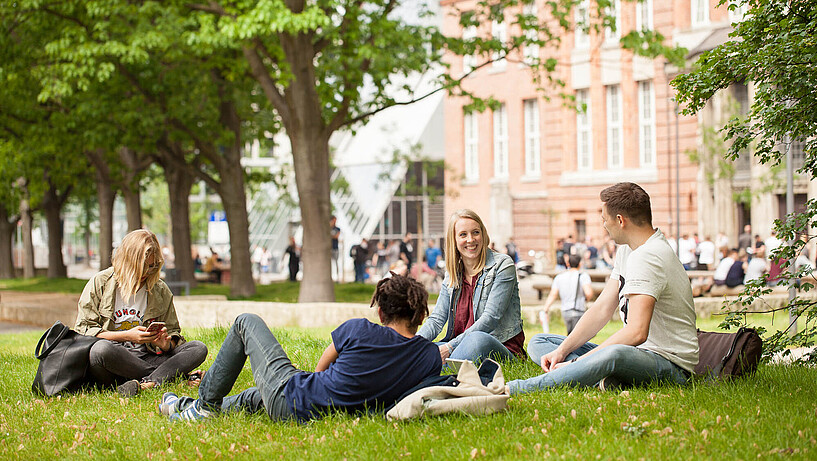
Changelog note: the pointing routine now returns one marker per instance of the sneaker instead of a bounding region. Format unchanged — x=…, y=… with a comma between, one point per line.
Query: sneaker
x=191, y=413
x=169, y=404
x=128, y=389
x=610, y=383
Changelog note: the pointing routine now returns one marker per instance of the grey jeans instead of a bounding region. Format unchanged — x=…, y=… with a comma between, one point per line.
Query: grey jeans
x=271, y=369
x=112, y=362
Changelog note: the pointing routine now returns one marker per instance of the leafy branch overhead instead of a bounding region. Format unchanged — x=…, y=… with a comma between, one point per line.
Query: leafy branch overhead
x=774, y=49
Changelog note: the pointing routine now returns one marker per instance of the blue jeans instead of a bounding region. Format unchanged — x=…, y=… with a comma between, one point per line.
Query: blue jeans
x=271, y=369
x=478, y=345
x=628, y=364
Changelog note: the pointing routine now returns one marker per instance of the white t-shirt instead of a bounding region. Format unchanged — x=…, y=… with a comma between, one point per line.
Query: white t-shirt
x=653, y=269
x=707, y=252
x=754, y=269
x=686, y=250
x=128, y=314
x=566, y=282
x=723, y=268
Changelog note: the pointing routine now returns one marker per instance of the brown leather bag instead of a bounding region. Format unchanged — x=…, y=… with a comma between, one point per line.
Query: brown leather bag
x=726, y=355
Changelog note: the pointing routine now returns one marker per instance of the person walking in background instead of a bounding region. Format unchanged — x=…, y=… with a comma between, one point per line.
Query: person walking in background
x=118, y=305
x=479, y=298
x=380, y=259
x=293, y=252
x=360, y=255
x=745, y=239
x=574, y=288
x=433, y=253
x=334, y=230
x=407, y=251
x=706, y=254
x=686, y=251
x=512, y=250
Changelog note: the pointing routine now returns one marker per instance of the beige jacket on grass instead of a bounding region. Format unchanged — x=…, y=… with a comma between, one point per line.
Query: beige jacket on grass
x=470, y=397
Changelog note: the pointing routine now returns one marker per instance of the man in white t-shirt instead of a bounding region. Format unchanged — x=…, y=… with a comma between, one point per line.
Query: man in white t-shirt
x=686, y=251
x=706, y=254
x=652, y=292
x=574, y=288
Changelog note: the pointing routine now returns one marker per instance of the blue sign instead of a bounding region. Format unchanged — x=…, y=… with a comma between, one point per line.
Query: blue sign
x=218, y=216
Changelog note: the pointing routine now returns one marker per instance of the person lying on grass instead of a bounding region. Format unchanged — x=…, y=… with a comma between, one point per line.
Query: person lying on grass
x=131, y=309
x=366, y=366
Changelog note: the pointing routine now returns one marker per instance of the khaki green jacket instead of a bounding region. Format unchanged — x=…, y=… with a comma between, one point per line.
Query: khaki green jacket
x=98, y=299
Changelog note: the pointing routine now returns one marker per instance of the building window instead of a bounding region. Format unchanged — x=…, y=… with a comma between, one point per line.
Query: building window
x=501, y=142
x=532, y=154
x=699, y=12
x=614, y=10
x=646, y=124
x=499, y=32
x=798, y=155
x=614, y=145
x=469, y=62
x=581, y=35
x=531, y=51
x=643, y=15
x=584, y=131
x=471, y=131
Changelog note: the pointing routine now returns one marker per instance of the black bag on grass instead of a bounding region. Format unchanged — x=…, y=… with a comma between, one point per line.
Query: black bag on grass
x=64, y=355
x=726, y=355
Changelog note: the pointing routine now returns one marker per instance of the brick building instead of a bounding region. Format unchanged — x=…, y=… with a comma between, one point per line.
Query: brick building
x=533, y=168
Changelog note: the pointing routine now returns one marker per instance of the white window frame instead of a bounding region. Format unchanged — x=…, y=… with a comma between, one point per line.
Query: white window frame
x=615, y=145
x=469, y=62
x=531, y=51
x=610, y=35
x=501, y=162
x=644, y=15
x=699, y=13
x=646, y=123
x=584, y=132
x=499, y=31
x=533, y=153
x=471, y=146
x=581, y=34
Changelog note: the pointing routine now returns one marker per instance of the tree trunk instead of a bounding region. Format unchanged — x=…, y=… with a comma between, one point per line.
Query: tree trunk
x=234, y=199
x=7, y=227
x=106, y=196
x=133, y=207
x=179, y=183
x=52, y=208
x=28, y=246
x=130, y=187
x=311, y=161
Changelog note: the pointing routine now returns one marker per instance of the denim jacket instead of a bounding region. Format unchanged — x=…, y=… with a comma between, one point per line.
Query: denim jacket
x=496, y=304
x=97, y=302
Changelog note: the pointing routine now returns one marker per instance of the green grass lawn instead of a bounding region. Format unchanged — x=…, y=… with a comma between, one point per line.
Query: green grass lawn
x=769, y=415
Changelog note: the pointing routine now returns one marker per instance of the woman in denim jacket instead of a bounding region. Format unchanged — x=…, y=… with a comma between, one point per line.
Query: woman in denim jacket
x=479, y=298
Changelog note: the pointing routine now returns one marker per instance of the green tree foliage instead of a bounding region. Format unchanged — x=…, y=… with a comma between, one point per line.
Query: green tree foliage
x=774, y=48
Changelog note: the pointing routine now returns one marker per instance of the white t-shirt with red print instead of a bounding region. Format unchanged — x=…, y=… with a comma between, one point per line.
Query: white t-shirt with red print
x=128, y=313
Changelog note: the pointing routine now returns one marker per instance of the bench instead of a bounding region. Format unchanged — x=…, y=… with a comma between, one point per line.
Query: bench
x=177, y=286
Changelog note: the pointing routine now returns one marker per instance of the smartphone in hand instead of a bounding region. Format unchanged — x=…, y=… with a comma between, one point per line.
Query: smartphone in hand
x=155, y=327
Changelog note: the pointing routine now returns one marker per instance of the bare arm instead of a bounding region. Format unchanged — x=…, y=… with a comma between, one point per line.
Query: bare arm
x=588, y=291
x=327, y=358
x=554, y=292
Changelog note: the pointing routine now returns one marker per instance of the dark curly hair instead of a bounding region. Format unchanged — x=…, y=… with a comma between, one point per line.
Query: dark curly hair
x=401, y=297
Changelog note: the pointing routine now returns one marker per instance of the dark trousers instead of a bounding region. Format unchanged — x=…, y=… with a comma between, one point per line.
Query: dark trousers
x=113, y=363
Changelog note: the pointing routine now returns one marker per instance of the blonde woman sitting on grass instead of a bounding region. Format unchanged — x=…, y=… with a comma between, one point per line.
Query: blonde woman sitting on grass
x=119, y=305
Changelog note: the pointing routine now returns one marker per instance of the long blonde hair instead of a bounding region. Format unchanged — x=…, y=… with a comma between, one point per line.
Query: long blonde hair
x=129, y=262
x=453, y=260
